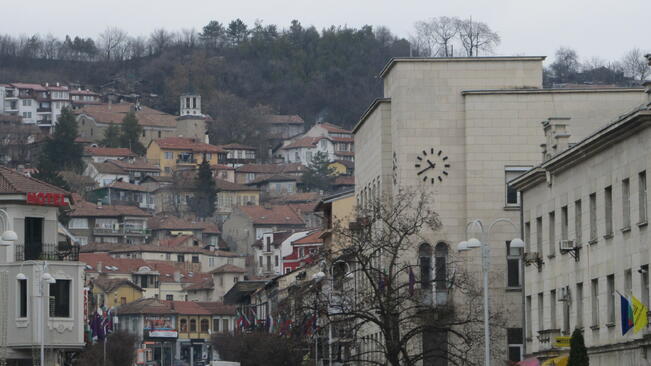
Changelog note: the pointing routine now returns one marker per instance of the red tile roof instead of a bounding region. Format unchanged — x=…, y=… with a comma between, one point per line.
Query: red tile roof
x=228, y=268
x=344, y=180
x=82, y=92
x=12, y=182
x=88, y=209
x=115, y=113
x=175, y=223
x=37, y=87
x=186, y=143
x=188, y=308
x=345, y=153
x=304, y=142
x=261, y=178
x=156, y=306
x=129, y=187
x=303, y=197
x=272, y=215
x=347, y=163
x=206, y=284
x=272, y=168
x=108, y=168
x=293, y=119
x=111, y=284
x=312, y=238
x=135, y=165
x=237, y=147
x=333, y=128
x=343, y=139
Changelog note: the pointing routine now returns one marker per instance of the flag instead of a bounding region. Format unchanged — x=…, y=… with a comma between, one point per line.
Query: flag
x=640, y=319
x=627, y=314
x=412, y=281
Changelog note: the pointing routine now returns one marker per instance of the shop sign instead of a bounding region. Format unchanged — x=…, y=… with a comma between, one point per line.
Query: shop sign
x=163, y=334
x=159, y=322
x=46, y=199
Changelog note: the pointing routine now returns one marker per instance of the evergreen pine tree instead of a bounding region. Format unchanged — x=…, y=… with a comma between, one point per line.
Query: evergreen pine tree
x=578, y=352
x=112, y=136
x=319, y=176
x=205, y=197
x=60, y=152
x=130, y=132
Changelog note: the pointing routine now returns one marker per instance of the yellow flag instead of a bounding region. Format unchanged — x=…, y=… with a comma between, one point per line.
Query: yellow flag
x=640, y=318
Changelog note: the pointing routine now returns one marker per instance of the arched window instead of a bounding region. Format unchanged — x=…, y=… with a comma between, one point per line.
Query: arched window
x=441, y=266
x=204, y=325
x=184, y=326
x=193, y=325
x=425, y=263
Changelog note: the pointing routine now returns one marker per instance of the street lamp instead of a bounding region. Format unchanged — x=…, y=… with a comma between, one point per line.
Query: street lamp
x=485, y=261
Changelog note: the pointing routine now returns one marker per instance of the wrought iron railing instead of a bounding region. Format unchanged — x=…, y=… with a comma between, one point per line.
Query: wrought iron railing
x=47, y=251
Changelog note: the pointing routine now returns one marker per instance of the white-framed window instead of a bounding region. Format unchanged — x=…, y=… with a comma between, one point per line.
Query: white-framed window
x=208, y=156
x=60, y=299
x=626, y=203
x=642, y=196
x=169, y=155
x=78, y=223
x=22, y=298
x=514, y=265
x=308, y=156
x=27, y=102
x=512, y=196
x=324, y=144
x=83, y=240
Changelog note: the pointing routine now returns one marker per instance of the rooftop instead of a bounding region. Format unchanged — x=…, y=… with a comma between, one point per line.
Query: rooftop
x=115, y=113
x=272, y=168
x=88, y=209
x=224, y=185
x=228, y=268
x=108, y=151
x=284, y=119
x=12, y=182
x=186, y=143
x=272, y=215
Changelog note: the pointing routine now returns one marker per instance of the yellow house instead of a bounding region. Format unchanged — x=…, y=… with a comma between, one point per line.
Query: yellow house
x=342, y=167
x=338, y=211
x=231, y=195
x=193, y=320
x=177, y=153
x=115, y=291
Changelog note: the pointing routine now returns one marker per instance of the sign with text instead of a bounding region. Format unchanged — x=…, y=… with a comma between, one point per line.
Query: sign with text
x=562, y=341
x=46, y=199
x=163, y=334
x=159, y=322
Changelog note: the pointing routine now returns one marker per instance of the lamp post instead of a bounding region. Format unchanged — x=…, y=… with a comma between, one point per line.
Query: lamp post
x=485, y=261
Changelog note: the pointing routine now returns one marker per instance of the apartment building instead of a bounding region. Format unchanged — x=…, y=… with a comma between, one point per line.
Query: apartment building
x=585, y=215
x=37, y=104
x=181, y=153
x=42, y=297
x=239, y=154
x=478, y=121
x=114, y=224
x=268, y=253
x=325, y=138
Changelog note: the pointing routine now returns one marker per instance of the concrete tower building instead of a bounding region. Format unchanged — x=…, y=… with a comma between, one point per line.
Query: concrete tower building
x=190, y=104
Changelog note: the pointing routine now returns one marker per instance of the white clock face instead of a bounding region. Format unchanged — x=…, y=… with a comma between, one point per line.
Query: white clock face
x=432, y=166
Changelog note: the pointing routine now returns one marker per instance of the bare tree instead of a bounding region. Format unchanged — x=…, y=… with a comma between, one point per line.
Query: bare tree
x=636, y=65
x=112, y=41
x=476, y=36
x=566, y=65
x=160, y=39
x=188, y=38
x=438, y=35
x=400, y=300
x=50, y=47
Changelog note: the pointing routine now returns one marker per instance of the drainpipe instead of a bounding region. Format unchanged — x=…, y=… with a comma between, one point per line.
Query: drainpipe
x=524, y=308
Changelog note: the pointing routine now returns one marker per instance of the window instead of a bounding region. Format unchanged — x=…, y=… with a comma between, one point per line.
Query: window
x=22, y=298
x=276, y=260
x=579, y=305
x=512, y=195
x=528, y=324
x=595, y=302
x=193, y=325
x=527, y=236
x=324, y=144
x=578, y=227
x=541, y=311
x=169, y=297
x=143, y=132
x=261, y=261
x=593, y=218
x=628, y=282
x=552, y=233
x=268, y=263
x=159, y=134
x=215, y=325
x=610, y=285
x=642, y=196
x=184, y=325
x=564, y=223
x=565, y=301
x=297, y=156
x=195, y=259
x=208, y=156
x=308, y=156
x=225, y=327
x=608, y=210
x=169, y=155
x=539, y=235
x=513, y=264
x=552, y=310
x=626, y=203
x=441, y=266
x=644, y=283
x=123, y=301
x=425, y=263
x=235, y=279
x=205, y=325
x=78, y=223
x=221, y=280
x=514, y=341
x=180, y=258
x=60, y=299
x=168, y=256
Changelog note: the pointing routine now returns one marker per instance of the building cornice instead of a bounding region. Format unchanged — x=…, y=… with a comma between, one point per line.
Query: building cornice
x=551, y=91
x=369, y=111
x=395, y=60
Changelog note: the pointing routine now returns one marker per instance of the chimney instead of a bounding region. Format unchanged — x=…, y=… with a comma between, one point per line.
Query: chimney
x=177, y=276
x=58, y=84
x=99, y=267
x=557, y=136
x=206, y=138
x=99, y=203
x=47, y=84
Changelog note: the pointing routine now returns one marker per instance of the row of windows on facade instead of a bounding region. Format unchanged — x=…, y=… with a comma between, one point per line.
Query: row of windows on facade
x=369, y=194
x=219, y=325
x=169, y=155
x=59, y=299
x=592, y=219
x=565, y=297
x=241, y=154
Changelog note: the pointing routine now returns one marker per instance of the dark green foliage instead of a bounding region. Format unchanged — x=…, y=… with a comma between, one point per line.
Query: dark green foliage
x=130, y=132
x=319, y=176
x=120, y=350
x=578, y=352
x=203, y=203
x=260, y=349
x=60, y=152
x=112, y=136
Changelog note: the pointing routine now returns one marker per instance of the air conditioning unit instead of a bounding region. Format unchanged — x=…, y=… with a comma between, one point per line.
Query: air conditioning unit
x=566, y=245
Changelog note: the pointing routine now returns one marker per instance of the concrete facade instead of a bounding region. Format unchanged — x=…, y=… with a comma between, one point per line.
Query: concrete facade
x=483, y=114
x=594, y=195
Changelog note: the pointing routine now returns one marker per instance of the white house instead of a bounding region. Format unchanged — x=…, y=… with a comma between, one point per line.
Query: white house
x=105, y=173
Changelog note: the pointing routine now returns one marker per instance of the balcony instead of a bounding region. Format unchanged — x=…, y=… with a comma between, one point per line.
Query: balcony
x=44, y=122
x=186, y=161
x=132, y=230
x=11, y=94
x=11, y=107
x=101, y=230
x=47, y=251
x=44, y=110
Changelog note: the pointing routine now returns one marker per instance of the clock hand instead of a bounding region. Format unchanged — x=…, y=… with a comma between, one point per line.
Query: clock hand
x=424, y=170
x=432, y=165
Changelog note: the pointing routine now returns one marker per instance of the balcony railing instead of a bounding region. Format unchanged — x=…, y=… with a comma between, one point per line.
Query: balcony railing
x=136, y=231
x=43, y=110
x=47, y=251
x=99, y=230
x=186, y=161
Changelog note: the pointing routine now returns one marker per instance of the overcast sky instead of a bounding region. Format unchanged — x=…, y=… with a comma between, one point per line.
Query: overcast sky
x=606, y=29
